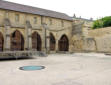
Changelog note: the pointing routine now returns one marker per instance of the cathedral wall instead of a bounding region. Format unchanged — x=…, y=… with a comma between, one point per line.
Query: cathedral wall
x=57, y=27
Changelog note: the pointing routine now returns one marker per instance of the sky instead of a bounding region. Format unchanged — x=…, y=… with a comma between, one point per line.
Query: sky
x=85, y=8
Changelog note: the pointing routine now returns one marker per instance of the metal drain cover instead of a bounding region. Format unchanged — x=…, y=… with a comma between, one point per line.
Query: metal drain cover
x=31, y=68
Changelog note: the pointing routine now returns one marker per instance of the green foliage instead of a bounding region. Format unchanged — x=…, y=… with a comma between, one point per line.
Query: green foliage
x=104, y=22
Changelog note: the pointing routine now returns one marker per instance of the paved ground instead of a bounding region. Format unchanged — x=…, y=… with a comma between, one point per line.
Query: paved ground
x=61, y=69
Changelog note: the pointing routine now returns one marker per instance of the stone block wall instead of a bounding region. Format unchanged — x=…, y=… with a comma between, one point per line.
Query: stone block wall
x=89, y=45
x=102, y=39
x=77, y=43
x=85, y=39
x=99, y=32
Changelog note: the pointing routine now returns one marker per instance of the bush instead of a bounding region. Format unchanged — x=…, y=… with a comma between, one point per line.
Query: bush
x=104, y=22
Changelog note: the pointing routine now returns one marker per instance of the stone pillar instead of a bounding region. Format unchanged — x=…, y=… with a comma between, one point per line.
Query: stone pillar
x=57, y=42
x=57, y=48
x=46, y=38
x=28, y=38
x=48, y=41
x=7, y=42
x=43, y=40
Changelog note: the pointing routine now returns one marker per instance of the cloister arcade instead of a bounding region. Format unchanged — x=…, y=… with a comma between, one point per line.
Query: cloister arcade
x=17, y=42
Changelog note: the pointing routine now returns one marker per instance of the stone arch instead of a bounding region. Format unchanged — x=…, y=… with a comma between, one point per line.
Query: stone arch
x=17, y=41
x=1, y=42
x=63, y=43
x=22, y=31
x=52, y=42
x=36, y=41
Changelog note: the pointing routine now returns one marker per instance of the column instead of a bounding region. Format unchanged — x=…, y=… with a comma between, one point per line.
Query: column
x=48, y=41
x=28, y=38
x=46, y=38
x=43, y=39
x=7, y=41
x=57, y=45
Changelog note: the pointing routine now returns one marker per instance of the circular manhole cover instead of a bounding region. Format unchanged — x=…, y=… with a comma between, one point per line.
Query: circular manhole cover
x=31, y=68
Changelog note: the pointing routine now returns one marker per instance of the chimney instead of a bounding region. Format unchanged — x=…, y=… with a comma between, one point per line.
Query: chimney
x=74, y=16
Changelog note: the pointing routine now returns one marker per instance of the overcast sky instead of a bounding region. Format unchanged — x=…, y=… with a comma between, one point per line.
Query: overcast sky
x=83, y=8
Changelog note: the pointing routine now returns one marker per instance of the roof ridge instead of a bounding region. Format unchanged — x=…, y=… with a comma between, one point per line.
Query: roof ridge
x=32, y=6
x=34, y=10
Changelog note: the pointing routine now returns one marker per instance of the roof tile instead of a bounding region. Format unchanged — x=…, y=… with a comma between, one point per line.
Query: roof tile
x=33, y=10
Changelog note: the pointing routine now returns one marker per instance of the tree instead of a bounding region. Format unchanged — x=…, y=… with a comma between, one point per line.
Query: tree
x=103, y=22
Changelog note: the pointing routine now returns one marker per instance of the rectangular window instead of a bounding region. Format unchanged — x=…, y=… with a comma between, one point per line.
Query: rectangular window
x=62, y=23
x=17, y=17
x=6, y=14
x=50, y=20
x=35, y=20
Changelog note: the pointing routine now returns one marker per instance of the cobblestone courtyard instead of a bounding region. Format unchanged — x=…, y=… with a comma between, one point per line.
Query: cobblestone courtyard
x=61, y=69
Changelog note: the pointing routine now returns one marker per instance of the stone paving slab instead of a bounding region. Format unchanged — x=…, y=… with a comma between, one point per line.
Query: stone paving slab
x=61, y=69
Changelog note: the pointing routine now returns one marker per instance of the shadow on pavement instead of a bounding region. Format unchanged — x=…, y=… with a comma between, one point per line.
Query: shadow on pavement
x=13, y=59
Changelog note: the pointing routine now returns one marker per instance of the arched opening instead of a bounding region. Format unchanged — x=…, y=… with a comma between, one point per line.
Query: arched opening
x=36, y=41
x=17, y=41
x=1, y=42
x=52, y=42
x=63, y=43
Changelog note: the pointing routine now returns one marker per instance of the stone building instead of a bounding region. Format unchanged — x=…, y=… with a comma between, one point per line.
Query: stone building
x=26, y=28
x=86, y=39
x=80, y=31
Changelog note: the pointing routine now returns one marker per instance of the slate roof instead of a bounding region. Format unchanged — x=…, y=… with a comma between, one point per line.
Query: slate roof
x=33, y=10
x=82, y=19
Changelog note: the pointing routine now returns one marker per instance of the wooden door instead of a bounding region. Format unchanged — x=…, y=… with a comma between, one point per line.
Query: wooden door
x=17, y=41
x=36, y=42
x=63, y=43
x=1, y=42
x=52, y=42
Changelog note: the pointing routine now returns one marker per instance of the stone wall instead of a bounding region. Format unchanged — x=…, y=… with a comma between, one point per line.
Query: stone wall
x=77, y=40
x=103, y=39
x=77, y=43
x=99, y=32
x=89, y=45
x=85, y=39
x=26, y=26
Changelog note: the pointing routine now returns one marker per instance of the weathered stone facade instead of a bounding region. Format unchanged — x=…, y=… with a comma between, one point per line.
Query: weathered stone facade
x=102, y=39
x=79, y=34
x=20, y=26
x=90, y=40
x=49, y=31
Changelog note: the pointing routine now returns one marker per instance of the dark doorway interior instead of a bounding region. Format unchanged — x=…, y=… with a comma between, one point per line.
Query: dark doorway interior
x=17, y=41
x=36, y=41
x=63, y=43
x=52, y=42
x=1, y=42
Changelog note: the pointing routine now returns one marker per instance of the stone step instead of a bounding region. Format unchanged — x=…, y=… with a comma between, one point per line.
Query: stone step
x=21, y=54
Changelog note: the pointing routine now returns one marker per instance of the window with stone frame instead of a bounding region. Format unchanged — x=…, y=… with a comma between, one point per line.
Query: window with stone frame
x=17, y=17
x=62, y=23
x=35, y=20
x=50, y=20
x=7, y=14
